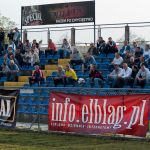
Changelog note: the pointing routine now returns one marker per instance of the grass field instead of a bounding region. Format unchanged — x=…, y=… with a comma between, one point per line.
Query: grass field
x=21, y=140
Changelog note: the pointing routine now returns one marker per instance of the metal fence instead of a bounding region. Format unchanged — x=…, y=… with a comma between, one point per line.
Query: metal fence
x=84, y=34
x=32, y=112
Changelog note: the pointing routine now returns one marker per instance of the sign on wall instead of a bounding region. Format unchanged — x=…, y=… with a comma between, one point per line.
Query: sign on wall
x=8, y=103
x=87, y=114
x=75, y=12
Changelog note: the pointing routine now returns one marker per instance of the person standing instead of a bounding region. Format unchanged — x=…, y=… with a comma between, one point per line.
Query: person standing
x=2, y=35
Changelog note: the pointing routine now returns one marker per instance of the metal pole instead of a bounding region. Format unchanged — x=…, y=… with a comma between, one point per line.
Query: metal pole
x=48, y=36
x=94, y=23
x=21, y=24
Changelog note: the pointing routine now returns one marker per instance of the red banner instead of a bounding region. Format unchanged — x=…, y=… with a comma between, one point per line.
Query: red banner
x=87, y=114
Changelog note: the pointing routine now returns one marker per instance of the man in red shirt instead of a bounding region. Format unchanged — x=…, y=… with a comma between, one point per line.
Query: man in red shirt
x=51, y=48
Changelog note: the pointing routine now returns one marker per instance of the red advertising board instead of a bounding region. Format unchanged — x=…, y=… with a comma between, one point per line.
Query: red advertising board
x=87, y=114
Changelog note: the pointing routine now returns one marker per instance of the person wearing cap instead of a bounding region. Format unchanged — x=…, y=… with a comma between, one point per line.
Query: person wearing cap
x=142, y=76
x=37, y=76
x=112, y=77
x=71, y=77
x=14, y=70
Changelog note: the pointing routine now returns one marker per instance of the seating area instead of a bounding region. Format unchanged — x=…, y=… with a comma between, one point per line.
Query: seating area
x=49, y=71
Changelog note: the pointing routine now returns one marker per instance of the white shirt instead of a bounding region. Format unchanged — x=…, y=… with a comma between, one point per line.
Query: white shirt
x=118, y=61
x=126, y=73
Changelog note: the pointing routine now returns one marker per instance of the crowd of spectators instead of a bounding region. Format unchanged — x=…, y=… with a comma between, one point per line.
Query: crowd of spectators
x=128, y=67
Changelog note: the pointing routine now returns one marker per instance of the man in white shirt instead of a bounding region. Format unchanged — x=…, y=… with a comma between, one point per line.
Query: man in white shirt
x=117, y=60
x=142, y=76
x=124, y=77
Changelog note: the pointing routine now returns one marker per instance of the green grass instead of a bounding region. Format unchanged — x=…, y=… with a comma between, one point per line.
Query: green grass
x=20, y=140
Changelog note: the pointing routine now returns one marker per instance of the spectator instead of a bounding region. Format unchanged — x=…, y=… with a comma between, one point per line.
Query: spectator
x=76, y=58
x=14, y=70
x=34, y=42
x=131, y=62
x=101, y=45
x=64, y=51
x=37, y=76
x=10, y=35
x=18, y=57
x=133, y=75
x=71, y=77
x=92, y=49
x=20, y=46
x=16, y=37
x=124, y=77
x=95, y=78
x=138, y=54
x=5, y=71
x=27, y=58
x=34, y=58
x=126, y=47
x=111, y=46
x=2, y=35
x=134, y=46
x=27, y=46
x=88, y=60
x=60, y=77
x=127, y=57
x=51, y=48
x=142, y=76
x=146, y=53
x=114, y=74
x=35, y=49
x=117, y=60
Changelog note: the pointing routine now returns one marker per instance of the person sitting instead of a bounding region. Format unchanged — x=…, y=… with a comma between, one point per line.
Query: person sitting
x=127, y=56
x=114, y=74
x=37, y=76
x=138, y=54
x=51, y=48
x=60, y=77
x=126, y=47
x=34, y=58
x=5, y=71
x=111, y=46
x=124, y=77
x=14, y=70
x=95, y=78
x=88, y=60
x=92, y=50
x=76, y=58
x=142, y=76
x=64, y=51
x=146, y=53
x=117, y=60
x=71, y=77
x=101, y=45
